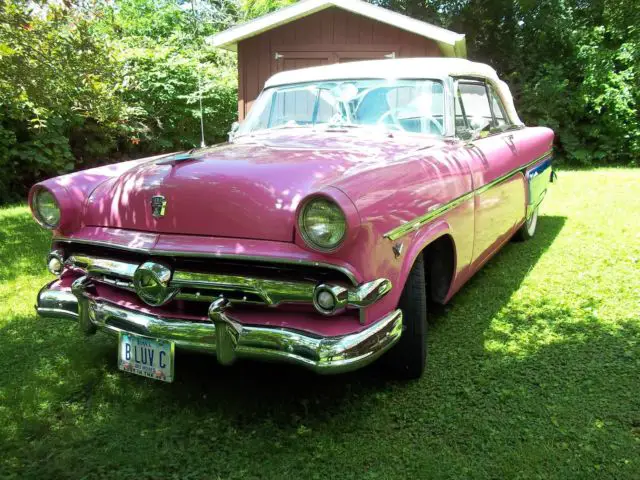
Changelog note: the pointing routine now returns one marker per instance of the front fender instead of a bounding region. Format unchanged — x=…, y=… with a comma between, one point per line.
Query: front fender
x=72, y=190
x=412, y=246
x=421, y=240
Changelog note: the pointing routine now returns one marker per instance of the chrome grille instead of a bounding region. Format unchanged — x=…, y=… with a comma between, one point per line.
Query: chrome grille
x=200, y=286
x=197, y=280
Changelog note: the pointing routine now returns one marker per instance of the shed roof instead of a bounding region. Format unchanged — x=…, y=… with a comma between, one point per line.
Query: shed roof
x=451, y=44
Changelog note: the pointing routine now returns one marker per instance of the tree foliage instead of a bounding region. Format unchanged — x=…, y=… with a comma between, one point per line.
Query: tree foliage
x=97, y=81
x=573, y=65
x=90, y=81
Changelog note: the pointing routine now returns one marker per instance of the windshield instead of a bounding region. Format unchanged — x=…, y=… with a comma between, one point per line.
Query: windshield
x=415, y=106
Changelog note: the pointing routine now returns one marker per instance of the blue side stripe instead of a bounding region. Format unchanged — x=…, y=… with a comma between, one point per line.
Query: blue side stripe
x=540, y=168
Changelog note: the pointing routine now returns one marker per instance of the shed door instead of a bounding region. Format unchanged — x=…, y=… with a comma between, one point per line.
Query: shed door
x=295, y=60
x=287, y=60
x=344, y=57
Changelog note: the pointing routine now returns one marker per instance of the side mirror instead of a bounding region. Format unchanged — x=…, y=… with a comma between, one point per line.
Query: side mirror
x=234, y=129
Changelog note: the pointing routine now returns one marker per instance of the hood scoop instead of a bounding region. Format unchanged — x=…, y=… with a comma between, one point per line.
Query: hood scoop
x=178, y=158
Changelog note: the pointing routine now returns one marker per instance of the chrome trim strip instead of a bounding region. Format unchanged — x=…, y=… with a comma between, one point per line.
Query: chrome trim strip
x=167, y=253
x=229, y=340
x=102, y=266
x=273, y=292
x=369, y=293
x=416, y=223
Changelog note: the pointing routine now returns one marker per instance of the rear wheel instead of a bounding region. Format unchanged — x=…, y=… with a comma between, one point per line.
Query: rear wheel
x=528, y=230
x=407, y=359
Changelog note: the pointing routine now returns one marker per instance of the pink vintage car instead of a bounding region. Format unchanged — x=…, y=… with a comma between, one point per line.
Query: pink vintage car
x=352, y=197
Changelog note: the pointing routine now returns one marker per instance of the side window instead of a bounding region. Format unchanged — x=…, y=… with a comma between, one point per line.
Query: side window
x=499, y=111
x=475, y=105
x=461, y=121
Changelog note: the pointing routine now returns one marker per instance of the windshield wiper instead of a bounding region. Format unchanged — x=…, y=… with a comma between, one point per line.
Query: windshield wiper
x=339, y=125
x=271, y=129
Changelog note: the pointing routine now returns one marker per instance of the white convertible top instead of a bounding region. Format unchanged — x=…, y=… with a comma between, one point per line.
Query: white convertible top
x=414, y=68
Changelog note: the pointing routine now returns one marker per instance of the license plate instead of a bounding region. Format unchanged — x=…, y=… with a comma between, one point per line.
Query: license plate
x=146, y=356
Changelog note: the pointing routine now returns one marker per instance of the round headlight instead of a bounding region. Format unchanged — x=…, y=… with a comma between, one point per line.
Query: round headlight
x=47, y=208
x=322, y=224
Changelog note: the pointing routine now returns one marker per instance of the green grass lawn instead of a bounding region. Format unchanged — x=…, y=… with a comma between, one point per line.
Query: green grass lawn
x=534, y=372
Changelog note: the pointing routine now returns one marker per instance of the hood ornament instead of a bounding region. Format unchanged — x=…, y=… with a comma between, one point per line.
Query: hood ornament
x=158, y=206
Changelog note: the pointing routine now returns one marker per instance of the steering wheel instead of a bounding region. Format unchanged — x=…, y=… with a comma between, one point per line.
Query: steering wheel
x=392, y=114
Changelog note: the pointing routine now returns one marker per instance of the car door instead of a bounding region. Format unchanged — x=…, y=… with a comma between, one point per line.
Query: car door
x=499, y=199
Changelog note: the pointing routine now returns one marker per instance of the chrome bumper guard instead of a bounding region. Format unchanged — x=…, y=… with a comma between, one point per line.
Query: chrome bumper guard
x=224, y=336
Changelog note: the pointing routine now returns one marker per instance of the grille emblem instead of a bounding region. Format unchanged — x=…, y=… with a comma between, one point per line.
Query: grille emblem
x=158, y=206
x=151, y=283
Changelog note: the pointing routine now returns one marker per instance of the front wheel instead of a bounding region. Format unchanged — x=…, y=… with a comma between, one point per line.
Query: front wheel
x=408, y=358
x=528, y=230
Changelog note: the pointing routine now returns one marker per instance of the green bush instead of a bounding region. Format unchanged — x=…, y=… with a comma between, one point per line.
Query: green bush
x=88, y=84
x=161, y=91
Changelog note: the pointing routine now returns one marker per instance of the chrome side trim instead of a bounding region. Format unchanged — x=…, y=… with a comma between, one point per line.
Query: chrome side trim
x=418, y=222
x=230, y=341
x=167, y=253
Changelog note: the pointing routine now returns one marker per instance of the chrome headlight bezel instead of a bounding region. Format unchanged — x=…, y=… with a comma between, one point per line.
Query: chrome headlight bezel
x=47, y=221
x=308, y=237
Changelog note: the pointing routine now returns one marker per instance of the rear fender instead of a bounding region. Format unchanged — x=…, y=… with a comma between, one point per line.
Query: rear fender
x=538, y=180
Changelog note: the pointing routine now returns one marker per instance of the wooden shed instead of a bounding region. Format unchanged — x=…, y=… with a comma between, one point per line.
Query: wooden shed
x=319, y=32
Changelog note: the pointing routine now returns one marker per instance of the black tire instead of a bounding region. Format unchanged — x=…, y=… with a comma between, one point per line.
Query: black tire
x=407, y=359
x=528, y=230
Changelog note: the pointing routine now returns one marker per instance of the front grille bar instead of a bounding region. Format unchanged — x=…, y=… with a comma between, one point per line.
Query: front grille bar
x=204, y=287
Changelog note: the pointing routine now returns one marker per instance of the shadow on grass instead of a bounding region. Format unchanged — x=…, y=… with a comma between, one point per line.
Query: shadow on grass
x=499, y=389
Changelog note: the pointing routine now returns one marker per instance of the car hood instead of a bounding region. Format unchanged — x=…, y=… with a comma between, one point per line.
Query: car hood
x=249, y=189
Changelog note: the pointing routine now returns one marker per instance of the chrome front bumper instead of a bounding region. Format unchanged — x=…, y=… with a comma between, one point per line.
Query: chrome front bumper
x=224, y=336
